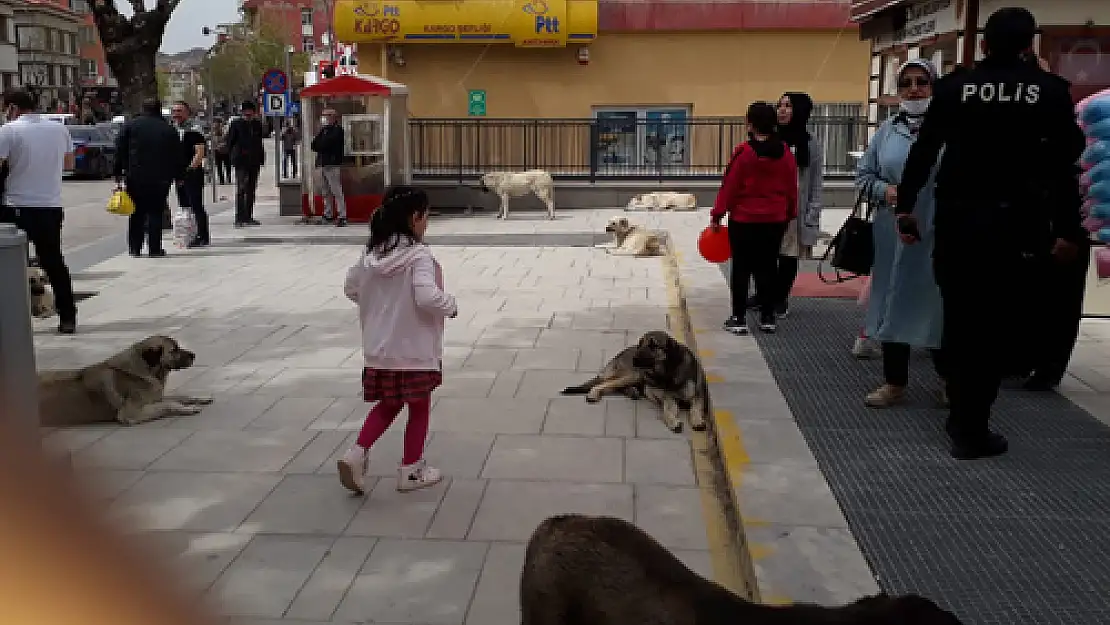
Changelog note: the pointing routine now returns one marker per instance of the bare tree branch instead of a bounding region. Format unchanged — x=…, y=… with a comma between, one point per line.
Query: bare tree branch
x=167, y=6
x=138, y=6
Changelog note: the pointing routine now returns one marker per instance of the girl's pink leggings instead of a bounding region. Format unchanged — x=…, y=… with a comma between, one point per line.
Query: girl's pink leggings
x=381, y=417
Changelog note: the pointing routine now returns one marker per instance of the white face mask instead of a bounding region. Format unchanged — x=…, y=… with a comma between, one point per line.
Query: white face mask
x=916, y=107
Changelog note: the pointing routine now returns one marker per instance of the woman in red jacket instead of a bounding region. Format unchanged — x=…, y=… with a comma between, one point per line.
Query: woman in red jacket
x=759, y=192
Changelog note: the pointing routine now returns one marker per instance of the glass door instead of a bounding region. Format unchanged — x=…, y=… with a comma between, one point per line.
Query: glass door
x=617, y=141
x=665, y=139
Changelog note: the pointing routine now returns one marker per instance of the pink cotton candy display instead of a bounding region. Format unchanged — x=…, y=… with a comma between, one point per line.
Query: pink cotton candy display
x=1094, y=108
x=1094, y=224
x=1102, y=262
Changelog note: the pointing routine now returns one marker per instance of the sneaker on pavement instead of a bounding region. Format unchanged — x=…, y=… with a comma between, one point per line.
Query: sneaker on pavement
x=885, y=396
x=768, y=324
x=989, y=446
x=736, y=325
x=67, y=327
x=417, y=475
x=341, y=222
x=352, y=469
x=753, y=303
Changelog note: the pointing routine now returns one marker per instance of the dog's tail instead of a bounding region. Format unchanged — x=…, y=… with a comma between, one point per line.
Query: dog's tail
x=581, y=389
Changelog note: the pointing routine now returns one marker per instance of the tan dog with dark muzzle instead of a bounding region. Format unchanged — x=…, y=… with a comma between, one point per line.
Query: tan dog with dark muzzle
x=42, y=300
x=128, y=388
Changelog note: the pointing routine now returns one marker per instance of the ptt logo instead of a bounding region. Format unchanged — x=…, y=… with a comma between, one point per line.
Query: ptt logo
x=373, y=9
x=544, y=24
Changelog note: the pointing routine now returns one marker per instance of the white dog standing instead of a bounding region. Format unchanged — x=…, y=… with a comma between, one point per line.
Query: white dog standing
x=663, y=200
x=517, y=184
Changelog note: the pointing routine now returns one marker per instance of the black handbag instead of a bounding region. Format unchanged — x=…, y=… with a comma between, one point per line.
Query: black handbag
x=851, y=253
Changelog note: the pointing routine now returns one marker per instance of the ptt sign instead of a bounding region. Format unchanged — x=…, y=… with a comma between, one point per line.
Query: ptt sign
x=374, y=19
x=544, y=22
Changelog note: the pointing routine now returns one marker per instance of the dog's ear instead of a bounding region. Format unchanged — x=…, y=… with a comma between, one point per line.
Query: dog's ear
x=152, y=355
x=673, y=349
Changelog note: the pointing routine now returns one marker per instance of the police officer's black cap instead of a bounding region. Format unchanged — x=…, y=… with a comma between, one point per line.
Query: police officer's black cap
x=1010, y=31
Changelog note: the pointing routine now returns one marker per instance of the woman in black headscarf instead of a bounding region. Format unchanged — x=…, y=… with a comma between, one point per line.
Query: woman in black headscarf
x=794, y=110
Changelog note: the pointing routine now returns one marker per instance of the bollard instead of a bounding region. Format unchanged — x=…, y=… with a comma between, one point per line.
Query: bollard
x=18, y=376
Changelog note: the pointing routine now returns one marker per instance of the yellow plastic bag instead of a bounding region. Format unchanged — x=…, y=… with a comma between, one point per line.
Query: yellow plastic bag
x=120, y=204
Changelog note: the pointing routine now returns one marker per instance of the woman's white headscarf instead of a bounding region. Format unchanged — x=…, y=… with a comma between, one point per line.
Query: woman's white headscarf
x=913, y=111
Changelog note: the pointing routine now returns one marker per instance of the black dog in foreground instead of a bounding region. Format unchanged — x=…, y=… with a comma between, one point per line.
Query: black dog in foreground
x=583, y=570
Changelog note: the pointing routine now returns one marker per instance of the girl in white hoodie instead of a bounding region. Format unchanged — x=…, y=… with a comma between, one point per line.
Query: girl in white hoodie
x=398, y=286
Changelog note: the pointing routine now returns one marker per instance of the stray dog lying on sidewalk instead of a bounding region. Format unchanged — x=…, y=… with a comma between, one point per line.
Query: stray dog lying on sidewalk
x=128, y=388
x=632, y=240
x=584, y=570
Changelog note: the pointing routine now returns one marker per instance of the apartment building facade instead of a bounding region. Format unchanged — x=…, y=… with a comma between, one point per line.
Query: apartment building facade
x=9, y=56
x=303, y=23
x=47, y=51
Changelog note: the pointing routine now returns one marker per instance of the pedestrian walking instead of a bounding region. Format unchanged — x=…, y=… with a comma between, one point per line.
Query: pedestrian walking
x=220, y=153
x=248, y=155
x=35, y=151
x=190, y=179
x=1006, y=195
x=398, y=286
x=148, y=160
x=759, y=193
x=904, y=306
x=290, y=141
x=328, y=146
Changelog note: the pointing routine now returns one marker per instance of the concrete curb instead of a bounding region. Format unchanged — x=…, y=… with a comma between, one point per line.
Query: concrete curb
x=791, y=531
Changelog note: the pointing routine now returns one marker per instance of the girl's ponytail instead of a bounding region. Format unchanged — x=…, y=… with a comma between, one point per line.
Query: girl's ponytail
x=393, y=219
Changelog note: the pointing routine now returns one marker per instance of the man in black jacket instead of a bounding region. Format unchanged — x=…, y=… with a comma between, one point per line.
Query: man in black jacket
x=328, y=145
x=147, y=162
x=248, y=155
x=1005, y=194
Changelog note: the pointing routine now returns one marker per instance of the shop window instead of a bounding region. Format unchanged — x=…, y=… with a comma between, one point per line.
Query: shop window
x=308, y=45
x=31, y=37
x=642, y=140
x=306, y=17
x=88, y=69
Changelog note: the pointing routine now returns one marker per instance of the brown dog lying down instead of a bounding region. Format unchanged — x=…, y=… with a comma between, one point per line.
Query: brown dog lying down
x=128, y=388
x=583, y=570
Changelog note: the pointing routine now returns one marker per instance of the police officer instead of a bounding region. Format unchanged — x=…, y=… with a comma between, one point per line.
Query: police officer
x=1005, y=194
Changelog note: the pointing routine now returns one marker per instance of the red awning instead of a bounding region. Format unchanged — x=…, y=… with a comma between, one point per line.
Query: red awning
x=353, y=85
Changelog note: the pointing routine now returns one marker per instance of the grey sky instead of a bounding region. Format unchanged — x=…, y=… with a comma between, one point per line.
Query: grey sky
x=183, y=31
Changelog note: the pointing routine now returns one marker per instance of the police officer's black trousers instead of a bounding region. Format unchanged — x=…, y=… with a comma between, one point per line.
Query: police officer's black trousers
x=982, y=293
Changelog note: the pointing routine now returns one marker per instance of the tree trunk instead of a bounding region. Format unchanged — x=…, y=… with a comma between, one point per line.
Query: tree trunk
x=137, y=79
x=131, y=46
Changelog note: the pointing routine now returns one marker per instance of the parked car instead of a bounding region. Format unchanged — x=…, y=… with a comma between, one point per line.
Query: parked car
x=94, y=151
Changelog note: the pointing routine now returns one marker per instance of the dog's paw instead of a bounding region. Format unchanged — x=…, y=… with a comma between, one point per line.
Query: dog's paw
x=188, y=411
x=202, y=400
x=592, y=399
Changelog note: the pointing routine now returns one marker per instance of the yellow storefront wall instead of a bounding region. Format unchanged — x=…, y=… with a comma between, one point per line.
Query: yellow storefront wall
x=718, y=74
x=715, y=74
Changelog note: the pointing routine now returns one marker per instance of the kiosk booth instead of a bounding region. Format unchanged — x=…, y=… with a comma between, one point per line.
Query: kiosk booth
x=374, y=115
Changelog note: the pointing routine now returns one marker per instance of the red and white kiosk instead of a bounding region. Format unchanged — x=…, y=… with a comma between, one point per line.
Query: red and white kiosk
x=373, y=112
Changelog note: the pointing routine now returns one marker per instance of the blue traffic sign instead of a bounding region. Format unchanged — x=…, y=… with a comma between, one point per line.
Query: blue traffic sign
x=275, y=81
x=294, y=109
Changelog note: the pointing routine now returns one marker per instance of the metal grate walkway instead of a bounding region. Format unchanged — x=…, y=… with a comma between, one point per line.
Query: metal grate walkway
x=1019, y=540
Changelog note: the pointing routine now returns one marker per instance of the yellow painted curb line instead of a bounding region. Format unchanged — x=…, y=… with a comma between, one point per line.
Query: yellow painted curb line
x=728, y=548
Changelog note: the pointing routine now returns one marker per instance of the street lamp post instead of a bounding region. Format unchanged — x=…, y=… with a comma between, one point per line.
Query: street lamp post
x=210, y=112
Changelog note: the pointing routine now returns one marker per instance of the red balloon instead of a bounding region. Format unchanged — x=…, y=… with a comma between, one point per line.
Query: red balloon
x=713, y=244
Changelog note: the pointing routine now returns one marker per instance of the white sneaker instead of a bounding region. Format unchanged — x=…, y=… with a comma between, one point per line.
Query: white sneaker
x=866, y=349
x=417, y=475
x=352, y=469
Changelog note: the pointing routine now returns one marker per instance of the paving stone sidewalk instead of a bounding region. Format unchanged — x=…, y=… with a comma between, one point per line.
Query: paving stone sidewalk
x=243, y=499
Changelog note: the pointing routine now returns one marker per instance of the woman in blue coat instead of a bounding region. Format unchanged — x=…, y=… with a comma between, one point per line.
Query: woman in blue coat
x=904, y=310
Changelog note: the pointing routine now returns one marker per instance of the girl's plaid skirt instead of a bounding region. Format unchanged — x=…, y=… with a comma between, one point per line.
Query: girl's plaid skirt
x=379, y=384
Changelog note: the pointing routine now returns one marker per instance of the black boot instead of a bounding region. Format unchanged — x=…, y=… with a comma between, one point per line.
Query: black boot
x=988, y=445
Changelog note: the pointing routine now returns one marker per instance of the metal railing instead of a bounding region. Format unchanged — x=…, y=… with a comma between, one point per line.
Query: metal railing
x=605, y=149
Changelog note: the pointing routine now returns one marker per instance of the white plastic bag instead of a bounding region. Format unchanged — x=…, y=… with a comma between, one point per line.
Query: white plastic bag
x=184, y=227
